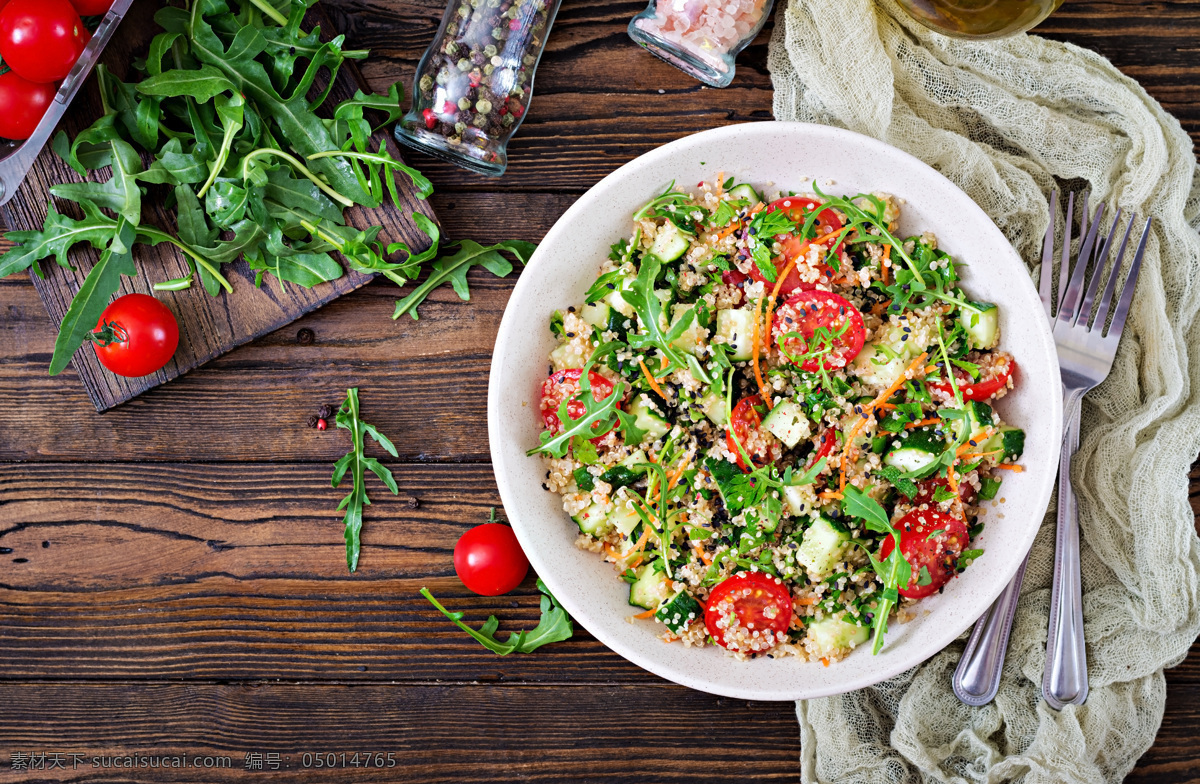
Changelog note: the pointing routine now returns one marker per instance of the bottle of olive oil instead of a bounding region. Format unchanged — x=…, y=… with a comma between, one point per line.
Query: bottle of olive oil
x=980, y=18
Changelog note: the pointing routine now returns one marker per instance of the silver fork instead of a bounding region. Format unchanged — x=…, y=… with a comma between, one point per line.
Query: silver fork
x=1085, y=353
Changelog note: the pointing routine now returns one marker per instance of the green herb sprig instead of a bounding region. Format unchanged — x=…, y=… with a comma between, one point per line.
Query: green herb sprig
x=554, y=626
x=894, y=571
x=357, y=463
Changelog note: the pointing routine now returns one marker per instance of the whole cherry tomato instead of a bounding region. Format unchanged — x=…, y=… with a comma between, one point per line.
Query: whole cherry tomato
x=489, y=561
x=92, y=7
x=41, y=39
x=22, y=105
x=931, y=543
x=749, y=612
x=136, y=335
x=796, y=324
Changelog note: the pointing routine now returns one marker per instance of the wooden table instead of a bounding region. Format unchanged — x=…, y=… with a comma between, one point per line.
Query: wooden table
x=173, y=578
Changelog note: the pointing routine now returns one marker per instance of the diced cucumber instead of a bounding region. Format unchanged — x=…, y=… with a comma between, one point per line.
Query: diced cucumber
x=787, y=422
x=648, y=419
x=597, y=314
x=593, y=520
x=978, y=419
x=650, y=589
x=822, y=548
x=1009, y=439
x=623, y=517
x=669, y=242
x=635, y=457
x=713, y=406
x=694, y=337
x=746, y=192
x=618, y=302
x=737, y=328
x=917, y=450
x=832, y=635
x=679, y=611
x=566, y=356
x=875, y=369
x=982, y=325
x=800, y=500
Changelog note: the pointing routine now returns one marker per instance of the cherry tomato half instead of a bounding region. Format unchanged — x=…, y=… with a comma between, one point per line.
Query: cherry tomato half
x=927, y=488
x=745, y=422
x=798, y=209
x=136, y=335
x=489, y=560
x=749, y=612
x=41, y=39
x=932, y=541
x=825, y=444
x=565, y=384
x=797, y=321
x=92, y=7
x=993, y=377
x=22, y=105
x=737, y=279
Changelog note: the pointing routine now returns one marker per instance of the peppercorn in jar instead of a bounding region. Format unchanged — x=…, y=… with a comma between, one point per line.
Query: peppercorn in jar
x=474, y=84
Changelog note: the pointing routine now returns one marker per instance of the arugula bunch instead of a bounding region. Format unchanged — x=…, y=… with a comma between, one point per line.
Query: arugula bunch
x=554, y=626
x=357, y=464
x=895, y=570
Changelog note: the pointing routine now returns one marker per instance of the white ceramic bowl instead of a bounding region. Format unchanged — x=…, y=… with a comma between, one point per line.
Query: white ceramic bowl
x=788, y=156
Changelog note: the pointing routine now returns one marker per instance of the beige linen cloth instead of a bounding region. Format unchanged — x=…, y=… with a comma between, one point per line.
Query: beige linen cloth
x=1005, y=120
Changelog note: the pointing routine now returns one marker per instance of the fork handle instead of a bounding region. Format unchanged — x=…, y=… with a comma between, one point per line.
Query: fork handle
x=1064, y=681
x=977, y=677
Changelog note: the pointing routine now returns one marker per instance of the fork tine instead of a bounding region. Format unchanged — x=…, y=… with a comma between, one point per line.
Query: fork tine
x=1064, y=266
x=1102, y=266
x=1122, y=311
x=1046, y=279
x=1102, y=304
x=1070, y=300
x=1083, y=216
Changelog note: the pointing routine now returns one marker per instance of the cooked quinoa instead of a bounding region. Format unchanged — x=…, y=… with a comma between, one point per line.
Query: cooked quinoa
x=772, y=415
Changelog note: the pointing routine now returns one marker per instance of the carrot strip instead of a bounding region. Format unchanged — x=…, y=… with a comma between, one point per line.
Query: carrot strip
x=805, y=601
x=758, y=376
x=647, y=614
x=1011, y=467
x=831, y=494
x=922, y=423
x=976, y=455
x=883, y=267
x=702, y=555
x=683, y=466
x=720, y=183
x=825, y=661
x=650, y=378
x=882, y=397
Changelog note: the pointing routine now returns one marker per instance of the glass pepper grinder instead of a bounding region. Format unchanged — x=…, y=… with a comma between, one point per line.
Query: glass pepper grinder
x=702, y=38
x=474, y=83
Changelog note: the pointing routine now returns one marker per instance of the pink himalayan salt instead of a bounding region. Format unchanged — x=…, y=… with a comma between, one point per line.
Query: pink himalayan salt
x=704, y=28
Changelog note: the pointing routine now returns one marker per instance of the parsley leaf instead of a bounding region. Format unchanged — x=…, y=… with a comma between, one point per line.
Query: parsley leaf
x=554, y=626
x=356, y=462
x=923, y=577
x=902, y=483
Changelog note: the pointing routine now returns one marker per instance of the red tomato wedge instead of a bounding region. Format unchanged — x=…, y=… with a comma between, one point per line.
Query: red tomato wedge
x=41, y=39
x=22, y=105
x=797, y=321
x=798, y=209
x=749, y=612
x=745, y=422
x=931, y=541
x=926, y=489
x=993, y=377
x=565, y=384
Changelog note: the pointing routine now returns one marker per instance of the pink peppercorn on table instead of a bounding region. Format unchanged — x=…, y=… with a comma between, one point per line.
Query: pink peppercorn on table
x=171, y=573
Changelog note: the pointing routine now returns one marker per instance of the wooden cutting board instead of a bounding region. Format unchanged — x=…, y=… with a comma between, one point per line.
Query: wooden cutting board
x=208, y=326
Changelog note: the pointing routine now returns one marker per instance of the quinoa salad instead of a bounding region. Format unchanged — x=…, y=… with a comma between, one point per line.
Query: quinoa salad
x=773, y=416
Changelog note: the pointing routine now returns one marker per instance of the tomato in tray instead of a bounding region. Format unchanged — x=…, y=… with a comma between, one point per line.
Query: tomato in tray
x=22, y=105
x=820, y=327
x=136, y=336
x=489, y=560
x=41, y=39
x=931, y=543
x=748, y=612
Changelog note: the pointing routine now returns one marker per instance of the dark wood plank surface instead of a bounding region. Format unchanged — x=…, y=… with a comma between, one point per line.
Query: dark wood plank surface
x=208, y=326
x=171, y=574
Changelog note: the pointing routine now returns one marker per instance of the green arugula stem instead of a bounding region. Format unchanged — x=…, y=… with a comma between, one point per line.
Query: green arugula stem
x=176, y=284
x=424, y=187
x=263, y=152
x=270, y=11
x=162, y=236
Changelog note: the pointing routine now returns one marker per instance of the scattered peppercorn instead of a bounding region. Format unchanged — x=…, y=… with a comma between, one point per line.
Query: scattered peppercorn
x=322, y=424
x=312, y=420
x=325, y=411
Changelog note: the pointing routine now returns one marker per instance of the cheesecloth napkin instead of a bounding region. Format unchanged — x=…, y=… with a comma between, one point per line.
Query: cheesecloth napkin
x=1005, y=120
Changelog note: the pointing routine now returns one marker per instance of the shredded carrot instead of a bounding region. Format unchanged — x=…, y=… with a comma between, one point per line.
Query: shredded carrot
x=825, y=661
x=883, y=266
x=647, y=614
x=662, y=362
x=730, y=229
x=641, y=542
x=805, y=601
x=976, y=455
x=702, y=555
x=720, y=183
x=883, y=397
x=670, y=637
x=922, y=423
x=653, y=382
x=974, y=443
x=611, y=552
x=1011, y=467
x=758, y=376
x=831, y=494
x=683, y=466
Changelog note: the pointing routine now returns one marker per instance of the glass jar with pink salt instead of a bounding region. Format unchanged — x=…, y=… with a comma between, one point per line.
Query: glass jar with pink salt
x=700, y=37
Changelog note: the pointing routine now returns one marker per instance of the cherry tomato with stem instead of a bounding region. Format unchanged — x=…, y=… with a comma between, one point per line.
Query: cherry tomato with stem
x=931, y=542
x=22, y=105
x=748, y=612
x=993, y=378
x=489, y=560
x=41, y=39
x=745, y=422
x=135, y=336
x=796, y=324
x=563, y=385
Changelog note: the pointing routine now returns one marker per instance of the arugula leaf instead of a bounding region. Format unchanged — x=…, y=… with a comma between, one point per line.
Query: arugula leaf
x=357, y=463
x=895, y=570
x=553, y=626
x=650, y=313
x=453, y=270
x=596, y=420
x=604, y=285
x=57, y=237
x=967, y=557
